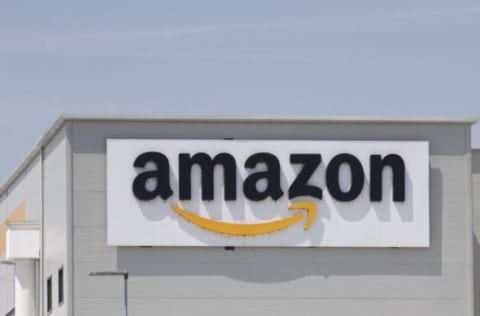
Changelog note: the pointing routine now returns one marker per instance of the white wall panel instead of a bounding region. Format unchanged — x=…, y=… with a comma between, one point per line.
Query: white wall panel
x=56, y=217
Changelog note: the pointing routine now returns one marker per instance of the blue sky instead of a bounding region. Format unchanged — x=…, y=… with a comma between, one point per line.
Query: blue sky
x=233, y=58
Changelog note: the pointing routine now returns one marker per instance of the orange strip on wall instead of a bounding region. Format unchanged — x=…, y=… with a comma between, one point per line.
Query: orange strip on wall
x=17, y=215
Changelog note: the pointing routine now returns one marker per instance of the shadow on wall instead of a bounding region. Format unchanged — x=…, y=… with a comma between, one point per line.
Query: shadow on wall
x=274, y=265
x=476, y=274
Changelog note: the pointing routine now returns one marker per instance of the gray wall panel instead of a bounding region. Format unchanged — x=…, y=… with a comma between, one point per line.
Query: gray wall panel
x=254, y=307
x=476, y=226
x=95, y=202
x=247, y=255
x=93, y=175
x=267, y=281
x=476, y=160
x=89, y=136
x=90, y=245
x=275, y=280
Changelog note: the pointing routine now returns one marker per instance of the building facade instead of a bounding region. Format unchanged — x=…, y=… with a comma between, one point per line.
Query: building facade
x=476, y=225
x=67, y=212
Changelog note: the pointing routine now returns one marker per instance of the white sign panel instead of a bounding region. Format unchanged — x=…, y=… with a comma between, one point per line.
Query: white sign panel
x=267, y=193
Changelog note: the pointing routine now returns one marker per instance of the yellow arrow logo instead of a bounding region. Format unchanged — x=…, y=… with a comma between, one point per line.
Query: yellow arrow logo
x=254, y=228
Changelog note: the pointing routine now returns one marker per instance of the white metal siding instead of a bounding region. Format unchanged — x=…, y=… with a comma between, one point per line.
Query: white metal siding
x=56, y=225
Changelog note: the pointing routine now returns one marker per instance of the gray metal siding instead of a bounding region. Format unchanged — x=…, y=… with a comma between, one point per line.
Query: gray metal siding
x=277, y=281
x=476, y=226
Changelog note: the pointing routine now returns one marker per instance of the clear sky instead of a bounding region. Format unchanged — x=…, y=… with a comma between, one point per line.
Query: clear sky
x=233, y=58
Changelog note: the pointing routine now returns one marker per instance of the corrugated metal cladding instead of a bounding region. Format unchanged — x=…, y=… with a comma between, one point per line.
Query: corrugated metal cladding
x=436, y=280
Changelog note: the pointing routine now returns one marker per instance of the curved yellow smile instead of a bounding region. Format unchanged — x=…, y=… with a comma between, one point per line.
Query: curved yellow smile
x=254, y=228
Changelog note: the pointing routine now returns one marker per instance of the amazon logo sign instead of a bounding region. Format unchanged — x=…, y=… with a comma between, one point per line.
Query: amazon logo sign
x=267, y=193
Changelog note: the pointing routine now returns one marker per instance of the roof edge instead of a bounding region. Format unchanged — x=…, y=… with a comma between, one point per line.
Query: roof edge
x=62, y=120
x=45, y=139
x=297, y=119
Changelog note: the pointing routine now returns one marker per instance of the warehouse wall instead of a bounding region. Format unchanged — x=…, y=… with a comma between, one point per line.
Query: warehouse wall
x=21, y=201
x=57, y=220
x=476, y=225
x=277, y=281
